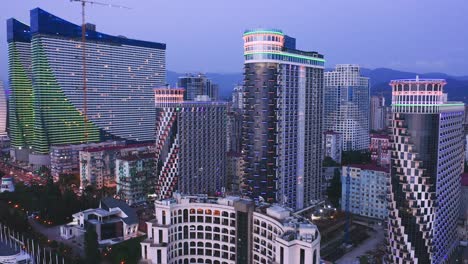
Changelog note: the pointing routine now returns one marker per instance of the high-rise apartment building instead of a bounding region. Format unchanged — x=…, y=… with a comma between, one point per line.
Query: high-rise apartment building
x=190, y=144
x=426, y=164
x=333, y=145
x=282, y=120
x=228, y=230
x=377, y=113
x=347, y=106
x=198, y=84
x=3, y=111
x=48, y=99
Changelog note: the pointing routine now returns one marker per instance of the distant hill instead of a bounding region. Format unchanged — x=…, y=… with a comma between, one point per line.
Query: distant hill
x=457, y=86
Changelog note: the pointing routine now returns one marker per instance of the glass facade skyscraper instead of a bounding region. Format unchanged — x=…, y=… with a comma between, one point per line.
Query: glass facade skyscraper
x=426, y=164
x=121, y=75
x=198, y=84
x=347, y=106
x=282, y=119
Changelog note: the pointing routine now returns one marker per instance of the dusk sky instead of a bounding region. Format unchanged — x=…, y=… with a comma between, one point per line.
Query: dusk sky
x=206, y=35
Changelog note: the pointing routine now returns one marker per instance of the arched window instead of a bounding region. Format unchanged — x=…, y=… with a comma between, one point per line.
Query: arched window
x=315, y=257
x=185, y=215
x=200, y=244
x=186, y=233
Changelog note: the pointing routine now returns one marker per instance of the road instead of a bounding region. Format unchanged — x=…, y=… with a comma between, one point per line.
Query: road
x=20, y=175
x=376, y=239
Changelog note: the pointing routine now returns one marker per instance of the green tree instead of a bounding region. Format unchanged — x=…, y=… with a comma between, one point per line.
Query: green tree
x=355, y=157
x=91, y=246
x=329, y=162
x=334, y=190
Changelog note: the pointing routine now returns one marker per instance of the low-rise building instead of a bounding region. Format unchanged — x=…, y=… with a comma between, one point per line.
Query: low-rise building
x=364, y=190
x=64, y=159
x=333, y=145
x=135, y=177
x=7, y=185
x=98, y=165
x=199, y=229
x=380, y=149
x=114, y=221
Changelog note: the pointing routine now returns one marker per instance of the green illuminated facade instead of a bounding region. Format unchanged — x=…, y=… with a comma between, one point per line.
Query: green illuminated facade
x=21, y=98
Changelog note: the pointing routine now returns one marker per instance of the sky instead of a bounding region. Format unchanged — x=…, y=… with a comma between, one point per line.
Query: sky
x=206, y=35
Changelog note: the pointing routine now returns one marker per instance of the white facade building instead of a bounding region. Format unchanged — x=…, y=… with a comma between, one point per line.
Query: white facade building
x=364, y=190
x=198, y=229
x=346, y=106
x=333, y=145
x=114, y=221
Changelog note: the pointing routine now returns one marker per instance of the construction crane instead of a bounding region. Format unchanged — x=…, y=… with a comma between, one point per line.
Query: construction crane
x=83, y=50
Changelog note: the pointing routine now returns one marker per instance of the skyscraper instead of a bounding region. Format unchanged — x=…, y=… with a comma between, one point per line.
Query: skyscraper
x=190, y=144
x=347, y=106
x=198, y=84
x=282, y=131
x=377, y=113
x=21, y=121
x=3, y=111
x=426, y=164
x=121, y=74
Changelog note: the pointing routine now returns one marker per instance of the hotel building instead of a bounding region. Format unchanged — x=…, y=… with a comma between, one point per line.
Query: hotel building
x=282, y=120
x=48, y=98
x=426, y=164
x=198, y=229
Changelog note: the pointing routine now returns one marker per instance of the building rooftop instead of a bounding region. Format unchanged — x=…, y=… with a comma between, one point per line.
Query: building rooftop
x=382, y=136
x=369, y=166
x=107, y=148
x=137, y=157
x=109, y=202
x=42, y=22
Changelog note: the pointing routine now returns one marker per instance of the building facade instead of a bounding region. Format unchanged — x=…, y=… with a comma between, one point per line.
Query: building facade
x=347, y=106
x=380, y=149
x=377, y=113
x=364, y=190
x=197, y=229
x=97, y=165
x=282, y=119
x=3, y=112
x=333, y=145
x=20, y=115
x=426, y=164
x=238, y=97
x=65, y=159
x=135, y=176
x=196, y=85
x=119, y=96
x=190, y=144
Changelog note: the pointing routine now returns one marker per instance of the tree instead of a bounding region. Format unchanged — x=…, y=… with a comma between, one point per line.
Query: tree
x=91, y=246
x=329, y=162
x=334, y=190
x=355, y=157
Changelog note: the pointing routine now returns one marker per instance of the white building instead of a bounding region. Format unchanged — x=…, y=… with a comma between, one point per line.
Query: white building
x=333, y=145
x=346, y=106
x=377, y=113
x=198, y=229
x=114, y=221
x=367, y=189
